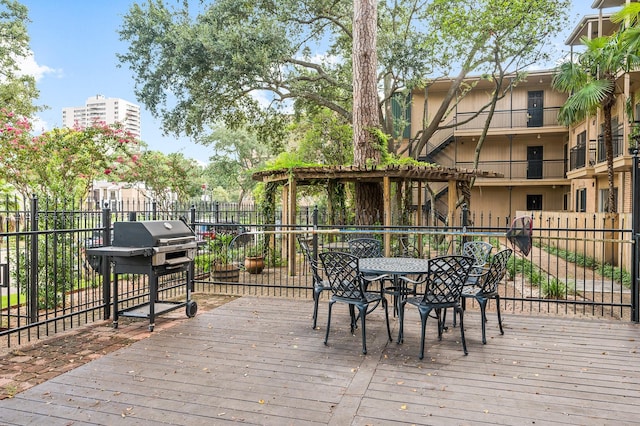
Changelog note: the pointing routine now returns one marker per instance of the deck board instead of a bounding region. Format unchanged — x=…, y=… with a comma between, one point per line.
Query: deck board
x=258, y=361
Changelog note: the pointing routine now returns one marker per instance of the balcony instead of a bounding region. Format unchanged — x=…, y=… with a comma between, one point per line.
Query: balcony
x=618, y=147
x=582, y=155
x=510, y=119
x=522, y=170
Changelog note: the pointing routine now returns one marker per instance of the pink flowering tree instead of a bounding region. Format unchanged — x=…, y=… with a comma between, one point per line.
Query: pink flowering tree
x=62, y=163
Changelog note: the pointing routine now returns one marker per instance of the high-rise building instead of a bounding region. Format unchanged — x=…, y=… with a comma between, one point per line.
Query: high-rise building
x=108, y=110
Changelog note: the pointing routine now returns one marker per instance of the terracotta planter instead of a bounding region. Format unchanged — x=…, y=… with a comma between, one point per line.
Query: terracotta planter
x=254, y=264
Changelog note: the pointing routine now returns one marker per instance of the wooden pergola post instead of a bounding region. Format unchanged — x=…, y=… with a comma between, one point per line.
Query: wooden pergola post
x=291, y=222
x=386, y=191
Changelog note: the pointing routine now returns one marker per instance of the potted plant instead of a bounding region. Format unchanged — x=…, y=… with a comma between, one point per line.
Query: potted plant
x=222, y=269
x=254, y=259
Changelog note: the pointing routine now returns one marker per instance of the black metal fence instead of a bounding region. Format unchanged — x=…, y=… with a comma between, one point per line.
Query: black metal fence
x=48, y=284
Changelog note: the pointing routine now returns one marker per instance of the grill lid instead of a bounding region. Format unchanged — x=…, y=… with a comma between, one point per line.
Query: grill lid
x=151, y=233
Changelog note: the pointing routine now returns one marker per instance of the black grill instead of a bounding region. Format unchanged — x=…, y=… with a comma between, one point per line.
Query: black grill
x=154, y=248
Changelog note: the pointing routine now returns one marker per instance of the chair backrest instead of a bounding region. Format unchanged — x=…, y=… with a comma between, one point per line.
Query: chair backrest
x=365, y=247
x=446, y=277
x=479, y=250
x=491, y=278
x=313, y=263
x=343, y=274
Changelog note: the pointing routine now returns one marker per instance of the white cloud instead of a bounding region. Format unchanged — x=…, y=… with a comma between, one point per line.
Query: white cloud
x=29, y=66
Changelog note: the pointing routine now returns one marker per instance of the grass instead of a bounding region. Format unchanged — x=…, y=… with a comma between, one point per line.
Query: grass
x=11, y=300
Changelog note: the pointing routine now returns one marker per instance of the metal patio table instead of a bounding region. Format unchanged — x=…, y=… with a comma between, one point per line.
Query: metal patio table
x=396, y=267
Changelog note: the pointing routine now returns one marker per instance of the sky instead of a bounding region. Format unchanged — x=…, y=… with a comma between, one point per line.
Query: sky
x=74, y=43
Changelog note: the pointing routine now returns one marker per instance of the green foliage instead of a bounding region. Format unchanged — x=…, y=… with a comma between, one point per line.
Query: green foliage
x=221, y=252
x=324, y=137
x=287, y=161
x=550, y=287
x=554, y=289
x=214, y=57
x=55, y=268
x=616, y=273
x=17, y=92
x=166, y=175
x=236, y=155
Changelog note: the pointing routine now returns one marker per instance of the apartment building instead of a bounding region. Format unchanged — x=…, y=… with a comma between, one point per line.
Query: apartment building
x=524, y=142
x=546, y=166
x=101, y=109
x=587, y=165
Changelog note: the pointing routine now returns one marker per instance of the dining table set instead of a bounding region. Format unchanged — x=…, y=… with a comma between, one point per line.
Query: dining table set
x=362, y=277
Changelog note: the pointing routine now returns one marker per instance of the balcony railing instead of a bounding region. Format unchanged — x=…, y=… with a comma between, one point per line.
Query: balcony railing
x=535, y=169
x=618, y=147
x=582, y=155
x=508, y=119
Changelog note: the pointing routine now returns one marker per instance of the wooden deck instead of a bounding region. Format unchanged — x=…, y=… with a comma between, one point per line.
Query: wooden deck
x=258, y=361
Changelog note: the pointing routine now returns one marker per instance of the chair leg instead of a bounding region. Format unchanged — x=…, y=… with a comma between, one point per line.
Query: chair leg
x=464, y=342
x=363, y=315
x=483, y=316
x=326, y=336
x=354, y=319
x=499, y=316
x=401, y=327
x=440, y=318
x=385, y=305
x=423, y=320
x=316, y=297
x=444, y=319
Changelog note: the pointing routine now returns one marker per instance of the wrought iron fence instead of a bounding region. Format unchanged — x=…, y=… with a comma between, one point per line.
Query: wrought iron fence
x=48, y=284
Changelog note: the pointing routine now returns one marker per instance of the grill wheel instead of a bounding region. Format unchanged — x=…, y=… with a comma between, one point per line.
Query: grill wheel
x=192, y=308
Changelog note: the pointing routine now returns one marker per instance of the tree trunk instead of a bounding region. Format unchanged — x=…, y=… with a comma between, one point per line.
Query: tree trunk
x=608, y=147
x=366, y=151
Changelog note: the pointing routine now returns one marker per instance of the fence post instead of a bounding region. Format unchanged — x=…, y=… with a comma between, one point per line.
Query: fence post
x=33, y=265
x=635, y=228
x=106, y=263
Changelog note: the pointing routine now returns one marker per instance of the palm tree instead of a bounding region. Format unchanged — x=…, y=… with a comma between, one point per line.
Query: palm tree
x=591, y=83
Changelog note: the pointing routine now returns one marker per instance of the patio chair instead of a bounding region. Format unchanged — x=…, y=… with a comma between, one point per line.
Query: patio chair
x=365, y=247
x=319, y=285
x=486, y=287
x=348, y=286
x=480, y=251
x=444, y=283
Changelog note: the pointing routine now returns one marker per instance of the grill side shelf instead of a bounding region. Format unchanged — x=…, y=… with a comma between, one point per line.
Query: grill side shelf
x=117, y=251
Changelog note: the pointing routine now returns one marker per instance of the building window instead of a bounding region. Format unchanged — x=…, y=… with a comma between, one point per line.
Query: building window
x=603, y=199
x=534, y=202
x=581, y=200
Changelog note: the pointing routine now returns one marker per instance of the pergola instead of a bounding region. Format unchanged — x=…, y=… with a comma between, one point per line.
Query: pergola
x=291, y=178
